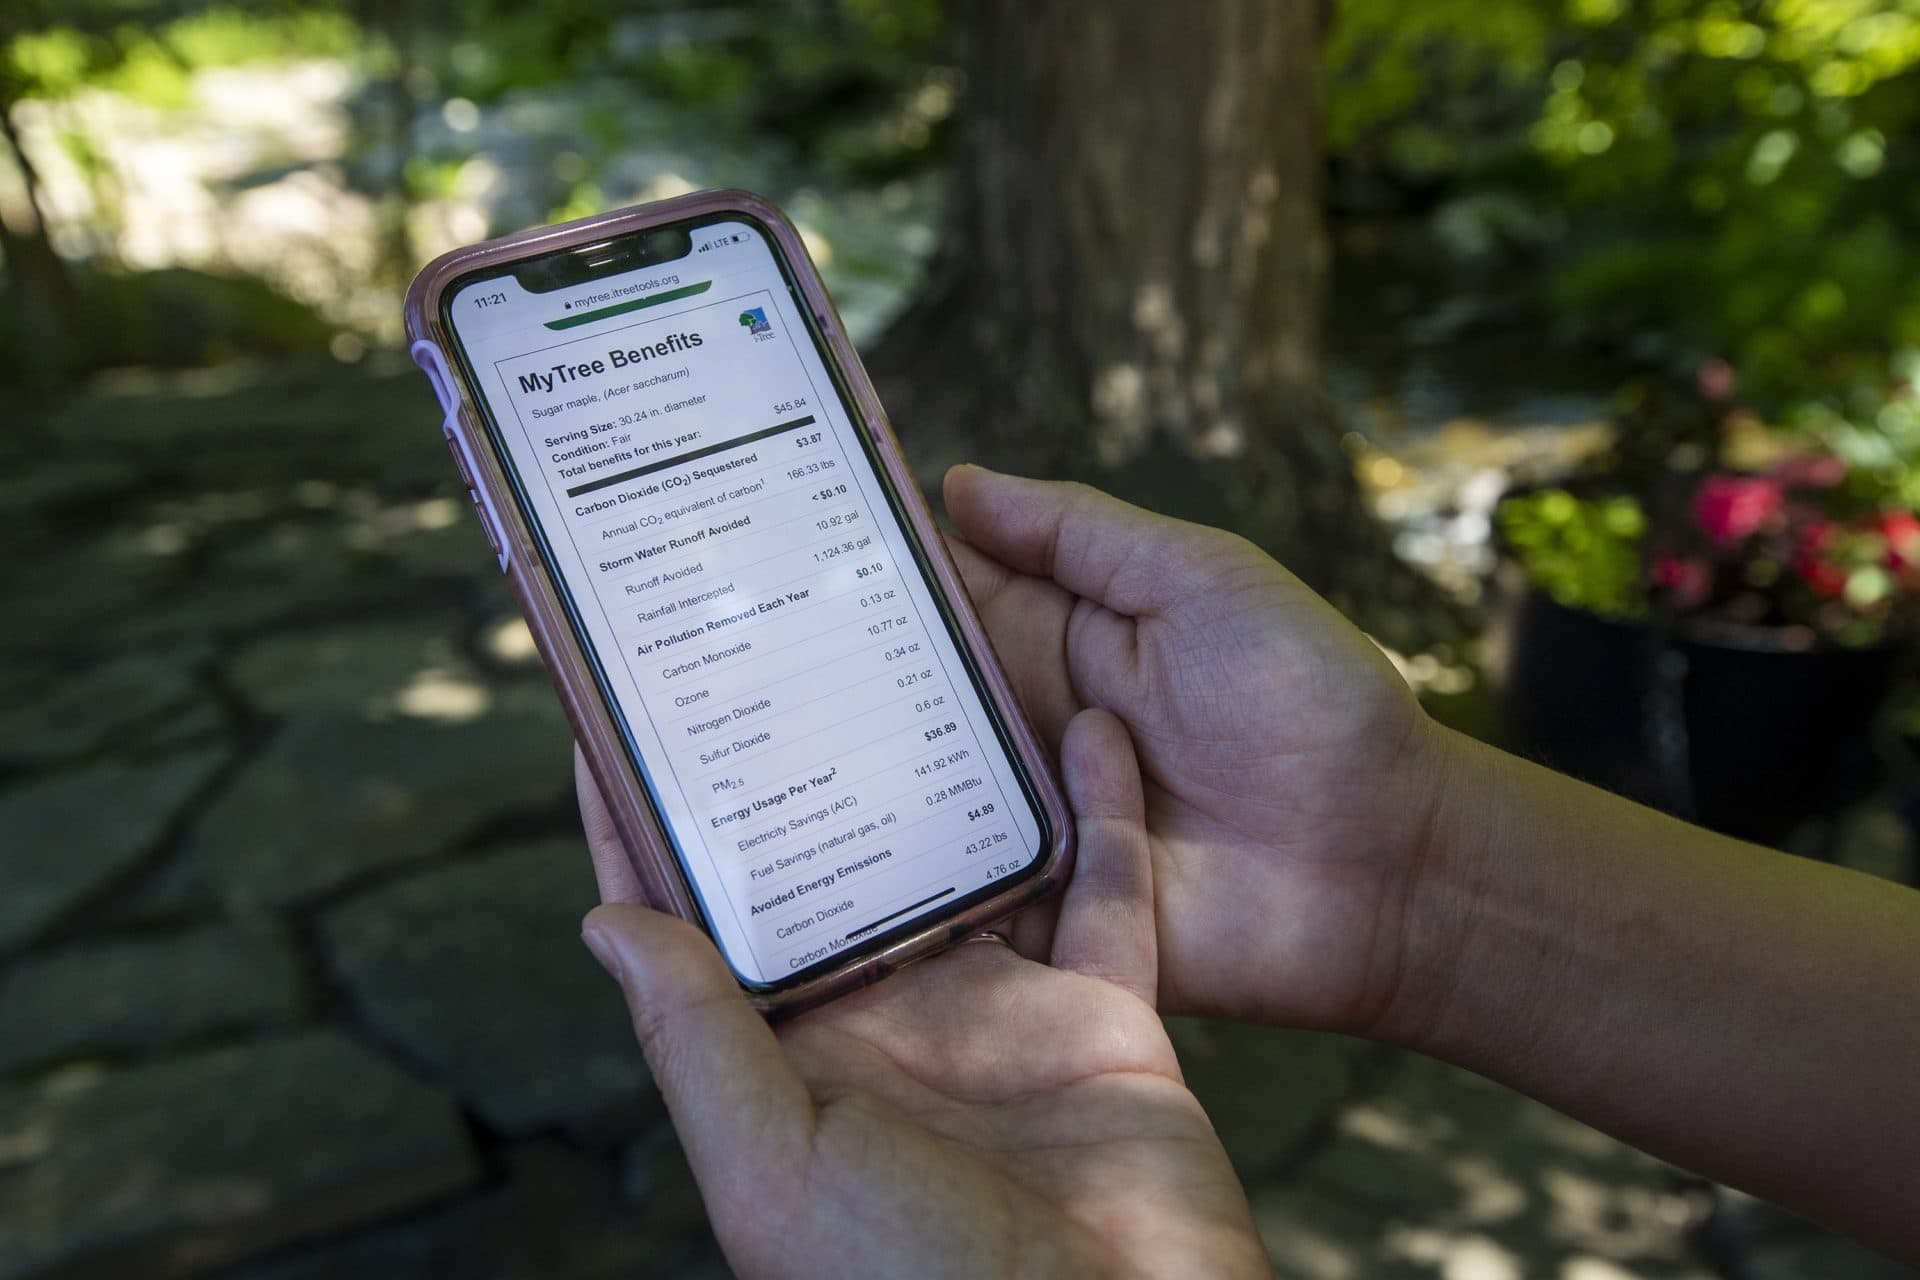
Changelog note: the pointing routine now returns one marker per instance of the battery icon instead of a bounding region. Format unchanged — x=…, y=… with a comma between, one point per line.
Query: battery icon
x=738, y=237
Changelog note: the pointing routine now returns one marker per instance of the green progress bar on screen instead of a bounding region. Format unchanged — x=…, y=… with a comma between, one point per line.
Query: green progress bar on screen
x=621, y=308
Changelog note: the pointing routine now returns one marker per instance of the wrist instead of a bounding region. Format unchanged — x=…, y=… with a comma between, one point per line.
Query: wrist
x=1512, y=911
x=1443, y=899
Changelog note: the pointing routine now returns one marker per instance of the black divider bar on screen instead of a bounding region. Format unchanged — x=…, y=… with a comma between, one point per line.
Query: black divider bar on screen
x=870, y=926
x=691, y=455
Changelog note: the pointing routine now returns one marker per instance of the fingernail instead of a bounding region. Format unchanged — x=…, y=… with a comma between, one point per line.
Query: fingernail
x=604, y=951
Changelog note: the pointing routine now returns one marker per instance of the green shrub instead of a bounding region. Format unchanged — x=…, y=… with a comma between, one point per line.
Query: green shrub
x=1734, y=174
x=1584, y=552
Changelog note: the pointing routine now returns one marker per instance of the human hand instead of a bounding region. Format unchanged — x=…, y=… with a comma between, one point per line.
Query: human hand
x=976, y=1114
x=1290, y=775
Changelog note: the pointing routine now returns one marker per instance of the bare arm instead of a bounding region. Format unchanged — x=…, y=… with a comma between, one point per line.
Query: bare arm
x=1744, y=1013
x=1325, y=855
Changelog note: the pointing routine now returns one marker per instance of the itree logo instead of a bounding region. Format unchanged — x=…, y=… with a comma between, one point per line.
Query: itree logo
x=754, y=320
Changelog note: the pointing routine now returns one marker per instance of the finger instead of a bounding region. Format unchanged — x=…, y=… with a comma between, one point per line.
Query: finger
x=1026, y=619
x=984, y=578
x=735, y=1101
x=1130, y=560
x=1106, y=925
x=1030, y=929
x=612, y=870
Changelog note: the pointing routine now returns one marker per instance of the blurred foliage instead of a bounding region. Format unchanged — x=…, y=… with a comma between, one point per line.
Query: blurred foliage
x=852, y=84
x=1584, y=552
x=153, y=61
x=1735, y=175
x=552, y=101
x=810, y=73
x=1805, y=523
x=1692, y=178
x=1874, y=430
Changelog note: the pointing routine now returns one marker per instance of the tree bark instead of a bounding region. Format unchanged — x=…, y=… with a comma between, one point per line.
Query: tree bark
x=1129, y=284
x=42, y=299
x=391, y=120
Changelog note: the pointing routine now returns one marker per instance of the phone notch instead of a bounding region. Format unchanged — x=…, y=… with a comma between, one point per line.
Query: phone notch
x=613, y=256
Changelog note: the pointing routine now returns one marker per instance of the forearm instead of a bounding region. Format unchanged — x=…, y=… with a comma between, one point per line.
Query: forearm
x=1746, y=1014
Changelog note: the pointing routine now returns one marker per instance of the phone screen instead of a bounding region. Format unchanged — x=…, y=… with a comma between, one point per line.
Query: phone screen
x=795, y=697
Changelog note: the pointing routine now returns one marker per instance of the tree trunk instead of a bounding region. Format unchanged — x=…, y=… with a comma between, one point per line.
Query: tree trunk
x=391, y=121
x=42, y=300
x=1128, y=288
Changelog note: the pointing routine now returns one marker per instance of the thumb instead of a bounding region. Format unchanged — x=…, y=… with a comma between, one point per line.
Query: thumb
x=736, y=1103
x=1106, y=926
x=1132, y=561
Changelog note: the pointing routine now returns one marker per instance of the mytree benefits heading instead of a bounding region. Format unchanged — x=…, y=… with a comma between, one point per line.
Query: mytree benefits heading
x=618, y=358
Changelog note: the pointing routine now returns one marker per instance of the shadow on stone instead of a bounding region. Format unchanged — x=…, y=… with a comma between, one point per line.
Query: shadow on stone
x=336, y=797
x=477, y=971
x=70, y=833
x=165, y=1170
x=137, y=994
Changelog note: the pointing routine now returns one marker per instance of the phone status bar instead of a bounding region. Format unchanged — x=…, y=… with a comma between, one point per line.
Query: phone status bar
x=724, y=241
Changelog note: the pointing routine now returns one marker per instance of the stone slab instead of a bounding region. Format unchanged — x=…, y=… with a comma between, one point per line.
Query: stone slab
x=136, y=994
x=477, y=971
x=432, y=549
x=552, y=1214
x=174, y=1168
x=34, y=494
x=336, y=797
x=50, y=616
x=284, y=573
x=356, y=670
x=127, y=701
x=64, y=835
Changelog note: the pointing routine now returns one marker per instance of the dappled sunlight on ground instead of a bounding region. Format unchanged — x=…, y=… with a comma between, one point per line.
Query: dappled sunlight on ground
x=1428, y=1171
x=510, y=640
x=440, y=694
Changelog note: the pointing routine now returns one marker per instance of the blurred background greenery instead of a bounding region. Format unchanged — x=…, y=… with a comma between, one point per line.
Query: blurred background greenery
x=1685, y=179
x=1569, y=345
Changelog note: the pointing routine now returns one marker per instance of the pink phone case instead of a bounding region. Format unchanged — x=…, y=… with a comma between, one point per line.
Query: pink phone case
x=593, y=723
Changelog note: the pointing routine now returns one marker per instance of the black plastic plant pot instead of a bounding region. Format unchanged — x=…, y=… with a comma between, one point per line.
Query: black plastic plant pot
x=1728, y=726
x=1777, y=735
x=1577, y=692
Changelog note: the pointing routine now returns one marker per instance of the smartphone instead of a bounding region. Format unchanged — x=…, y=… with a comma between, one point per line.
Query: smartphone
x=770, y=663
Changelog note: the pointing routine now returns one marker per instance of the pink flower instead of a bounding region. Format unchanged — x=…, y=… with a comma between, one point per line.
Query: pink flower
x=1901, y=529
x=1730, y=509
x=1715, y=380
x=1687, y=580
x=1810, y=561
